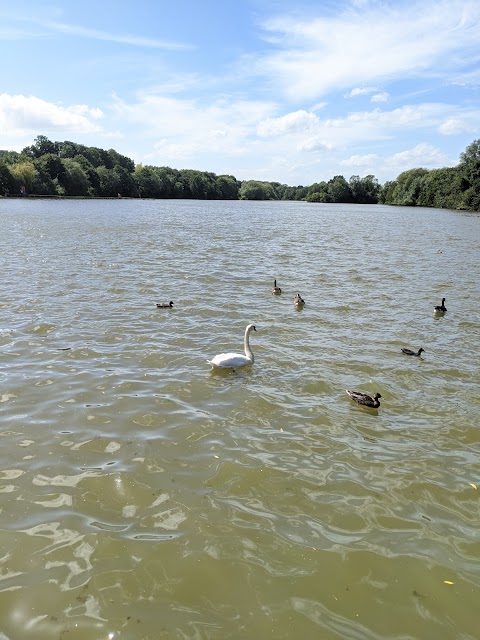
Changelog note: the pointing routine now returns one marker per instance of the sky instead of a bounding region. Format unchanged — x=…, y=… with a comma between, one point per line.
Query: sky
x=289, y=91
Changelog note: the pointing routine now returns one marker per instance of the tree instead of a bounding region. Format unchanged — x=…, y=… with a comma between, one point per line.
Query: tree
x=318, y=196
x=75, y=181
x=364, y=190
x=109, y=182
x=408, y=186
x=117, y=159
x=339, y=190
x=42, y=145
x=7, y=181
x=469, y=168
x=24, y=174
x=254, y=190
x=227, y=188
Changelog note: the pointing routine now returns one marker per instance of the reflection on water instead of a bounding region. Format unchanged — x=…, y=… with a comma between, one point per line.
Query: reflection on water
x=146, y=496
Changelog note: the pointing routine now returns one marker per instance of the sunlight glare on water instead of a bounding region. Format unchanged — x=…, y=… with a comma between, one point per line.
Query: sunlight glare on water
x=146, y=496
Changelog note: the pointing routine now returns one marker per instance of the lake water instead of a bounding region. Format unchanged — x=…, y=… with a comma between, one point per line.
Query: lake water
x=146, y=497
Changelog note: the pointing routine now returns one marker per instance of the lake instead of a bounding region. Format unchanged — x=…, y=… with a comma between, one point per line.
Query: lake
x=145, y=496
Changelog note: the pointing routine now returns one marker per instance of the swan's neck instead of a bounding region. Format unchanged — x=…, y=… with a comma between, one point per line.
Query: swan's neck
x=246, y=343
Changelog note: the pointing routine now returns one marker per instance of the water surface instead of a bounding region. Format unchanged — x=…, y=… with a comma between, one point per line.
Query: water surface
x=146, y=497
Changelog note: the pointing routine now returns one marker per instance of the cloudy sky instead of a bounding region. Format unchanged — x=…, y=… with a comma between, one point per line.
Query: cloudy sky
x=294, y=91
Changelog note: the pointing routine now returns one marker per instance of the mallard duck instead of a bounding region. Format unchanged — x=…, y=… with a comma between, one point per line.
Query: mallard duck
x=441, y=308
x=298, y=301
x=235, y=360
x=409, y=352
x=276, y=290
x=165, y=305
x=364, y=399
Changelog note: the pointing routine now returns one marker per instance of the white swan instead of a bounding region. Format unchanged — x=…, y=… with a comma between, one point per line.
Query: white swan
x=234, y=360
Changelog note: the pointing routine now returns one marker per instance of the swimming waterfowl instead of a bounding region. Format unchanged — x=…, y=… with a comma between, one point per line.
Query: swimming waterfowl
x=235, y=360
x=441, y=308
x=276, y=290
x=364, y=399
x=165, y=305
x=409, y=352
x=298, y=301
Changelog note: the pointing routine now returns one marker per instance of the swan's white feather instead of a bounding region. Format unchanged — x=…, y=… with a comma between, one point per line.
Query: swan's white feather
x=234, y=360
x=229, y=360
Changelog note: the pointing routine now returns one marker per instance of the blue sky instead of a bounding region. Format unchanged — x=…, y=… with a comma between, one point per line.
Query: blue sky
x=282, y=90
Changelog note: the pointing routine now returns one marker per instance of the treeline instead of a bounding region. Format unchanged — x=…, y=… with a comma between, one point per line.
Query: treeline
x=66, y=168
x=448, y=188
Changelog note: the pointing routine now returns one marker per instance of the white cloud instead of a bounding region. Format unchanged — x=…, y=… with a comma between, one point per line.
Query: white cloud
x=422, y=155
x=315, y=144
x=360, y=92
x=95, y=34
x=380, y=97
x=360, y=161
x=43, y=26
x=454, y=126
x=27, y=115
x=380, y=42
x=296, y=121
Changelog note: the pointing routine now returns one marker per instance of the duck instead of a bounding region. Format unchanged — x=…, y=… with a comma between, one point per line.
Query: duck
x=441, y=308
x=298, y=301
x=276, y=290
x=235, y=360
x=165, y=305
x=409, y=352
x=364, y=399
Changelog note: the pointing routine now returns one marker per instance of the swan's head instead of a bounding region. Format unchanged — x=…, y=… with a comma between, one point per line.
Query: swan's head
x=421, y=350
x=251, y=327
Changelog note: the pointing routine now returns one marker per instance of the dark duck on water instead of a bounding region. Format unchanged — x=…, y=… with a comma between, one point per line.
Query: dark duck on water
x=441, y=308
x=409, y=352
x=364, y=399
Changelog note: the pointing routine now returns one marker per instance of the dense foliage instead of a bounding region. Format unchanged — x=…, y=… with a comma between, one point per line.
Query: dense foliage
x=66, y=168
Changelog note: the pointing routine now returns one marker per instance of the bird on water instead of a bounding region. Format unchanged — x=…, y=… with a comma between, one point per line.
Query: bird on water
x=235, y=360
x=298, y=301
x=276, y=290
x=409, y=352
x=441, y=308
x=164, y=305
x=364, y=399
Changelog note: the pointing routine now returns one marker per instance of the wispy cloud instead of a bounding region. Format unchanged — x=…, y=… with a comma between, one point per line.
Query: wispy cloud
x=380, y=97
x=380, y=42
x=22, y=26
x=128, y=39
x=360, y=91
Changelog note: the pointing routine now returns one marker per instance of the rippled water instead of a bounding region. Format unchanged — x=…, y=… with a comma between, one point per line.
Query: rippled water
x=146, y=497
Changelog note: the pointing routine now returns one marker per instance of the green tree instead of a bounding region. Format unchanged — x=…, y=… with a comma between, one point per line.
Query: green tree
x=75, y=181
x=227, y=188
x=255, y=190
x=24, y=174
x=339, y=190
x=109, y=183
x=7, y=181
x=364, y=190
x=408, y=187
x=42, y=145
